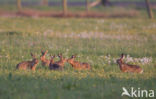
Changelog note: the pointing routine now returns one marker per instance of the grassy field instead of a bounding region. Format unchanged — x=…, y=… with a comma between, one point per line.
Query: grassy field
x=96, y=41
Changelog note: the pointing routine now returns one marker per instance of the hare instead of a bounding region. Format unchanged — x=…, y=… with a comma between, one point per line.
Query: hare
x=59, y=64
x=61, y=61
x=78, y=65
x=127, y=67
x=52, y=59
x=28, y=64
x=52, y=65
x=45, y=62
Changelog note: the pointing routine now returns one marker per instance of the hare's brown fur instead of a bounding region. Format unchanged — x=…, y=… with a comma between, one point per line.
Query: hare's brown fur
x=78, y=65
x=52, y=60
x=128, y=67
x=53, y=66
x=61, y=62
x=28, y=64
x=45, y=62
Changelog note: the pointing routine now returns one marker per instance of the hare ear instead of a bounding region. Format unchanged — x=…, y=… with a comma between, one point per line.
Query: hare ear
x=52, y=56
x=46, y=52
x=33, y=55
x=60, y=55
x=122, y=55
x=42, y=52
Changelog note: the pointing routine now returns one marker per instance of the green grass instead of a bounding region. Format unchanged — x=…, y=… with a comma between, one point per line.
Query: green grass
x=20, y=36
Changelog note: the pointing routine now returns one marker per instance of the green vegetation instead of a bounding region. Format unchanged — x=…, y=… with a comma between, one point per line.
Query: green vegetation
x=96, y=41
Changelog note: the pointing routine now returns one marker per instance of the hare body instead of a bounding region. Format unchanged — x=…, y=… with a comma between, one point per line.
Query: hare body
x=78, y=65
x=52, y=65
x=28, y=64
x=61, y=62
x=55, y=67
x=128, y=67
x=45, y=62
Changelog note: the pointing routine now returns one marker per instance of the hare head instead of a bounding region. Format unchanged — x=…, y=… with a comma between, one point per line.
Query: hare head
x=60, y=55
x=28, y=64
x=70, y=60
x=61, y=58
x=52, y=58
x=35, y=60
x=43, y=54
x=120, y=61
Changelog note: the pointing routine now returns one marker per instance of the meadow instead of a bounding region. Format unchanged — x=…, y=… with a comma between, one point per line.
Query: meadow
x=96, y=41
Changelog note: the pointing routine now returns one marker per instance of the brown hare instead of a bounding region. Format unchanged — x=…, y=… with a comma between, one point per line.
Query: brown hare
x=59, y=64
x=127, y=67
x=52, y=59
x=78, y=65
x=52, y=65
x=61, y=61
x=28, y=64
x=45, y=62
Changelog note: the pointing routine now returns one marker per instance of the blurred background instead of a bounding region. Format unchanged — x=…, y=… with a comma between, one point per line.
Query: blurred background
x=78, y=8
